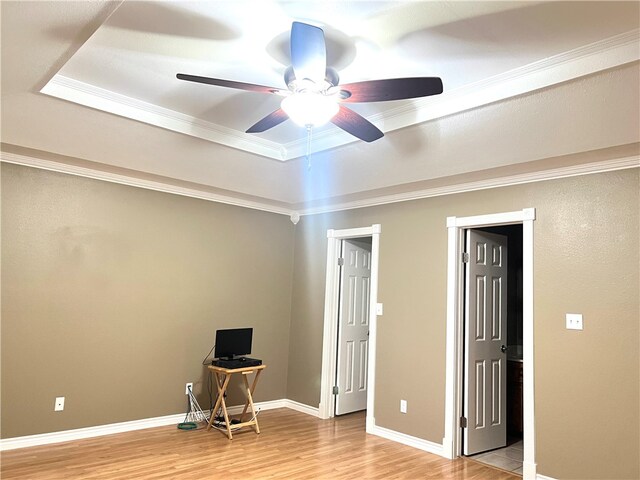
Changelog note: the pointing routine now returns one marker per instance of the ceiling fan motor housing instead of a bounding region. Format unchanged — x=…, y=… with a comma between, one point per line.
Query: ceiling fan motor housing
x=331, y=79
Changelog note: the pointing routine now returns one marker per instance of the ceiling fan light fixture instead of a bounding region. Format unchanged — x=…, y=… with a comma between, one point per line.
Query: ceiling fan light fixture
x=309, y=109
x=314, y=95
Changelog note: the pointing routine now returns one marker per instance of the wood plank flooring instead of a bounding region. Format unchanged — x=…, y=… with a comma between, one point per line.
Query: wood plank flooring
x=292, y=445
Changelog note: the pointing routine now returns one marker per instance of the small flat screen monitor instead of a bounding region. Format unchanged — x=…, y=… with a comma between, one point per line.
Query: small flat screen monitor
x=233, y=342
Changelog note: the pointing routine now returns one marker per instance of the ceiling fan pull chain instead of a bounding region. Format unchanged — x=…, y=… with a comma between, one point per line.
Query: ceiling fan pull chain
x=308, y=147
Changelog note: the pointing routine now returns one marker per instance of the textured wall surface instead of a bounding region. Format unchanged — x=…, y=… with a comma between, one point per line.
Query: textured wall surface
x=111, y=297
x=585, y=261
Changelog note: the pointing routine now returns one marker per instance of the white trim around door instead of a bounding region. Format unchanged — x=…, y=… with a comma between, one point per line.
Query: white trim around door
x=331, y=305
x=451, y=442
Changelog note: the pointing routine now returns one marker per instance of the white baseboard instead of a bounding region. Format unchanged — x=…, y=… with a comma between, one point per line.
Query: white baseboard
x=409, y=440
x=301, y=407
x=259, y=406
x=88, y=432
x=97, y=431
x=273, y=404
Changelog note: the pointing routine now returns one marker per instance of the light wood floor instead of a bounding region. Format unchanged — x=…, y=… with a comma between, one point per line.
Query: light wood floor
x=292, y=445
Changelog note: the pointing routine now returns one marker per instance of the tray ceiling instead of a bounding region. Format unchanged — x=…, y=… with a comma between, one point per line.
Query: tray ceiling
x=532, y=90
x=484, y=52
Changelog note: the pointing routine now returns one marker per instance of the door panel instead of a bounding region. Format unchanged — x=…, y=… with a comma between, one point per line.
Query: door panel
x=485, y=334
x=353, y=328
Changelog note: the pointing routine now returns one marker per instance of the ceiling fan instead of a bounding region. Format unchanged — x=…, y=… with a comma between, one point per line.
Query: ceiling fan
x=314, y=96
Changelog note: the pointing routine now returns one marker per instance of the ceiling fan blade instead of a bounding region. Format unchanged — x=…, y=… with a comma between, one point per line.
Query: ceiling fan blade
x=390, y=89
x=231, y=84
x=308, y=52
x=356, y=125
x=270, y=121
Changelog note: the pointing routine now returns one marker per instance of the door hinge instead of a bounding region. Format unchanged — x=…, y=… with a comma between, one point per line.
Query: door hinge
x=336, y=390
x=341, y=261
x=465, y=257
x=463, y=422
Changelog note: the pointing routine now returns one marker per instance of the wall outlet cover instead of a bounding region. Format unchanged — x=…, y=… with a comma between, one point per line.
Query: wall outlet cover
x=574, y=321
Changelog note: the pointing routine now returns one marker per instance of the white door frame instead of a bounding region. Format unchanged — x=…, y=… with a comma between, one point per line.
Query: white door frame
x=331, y=305
x=451, y=443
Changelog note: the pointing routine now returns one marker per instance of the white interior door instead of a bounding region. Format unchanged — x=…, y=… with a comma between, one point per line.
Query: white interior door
x=353, y=328
x=485, y=342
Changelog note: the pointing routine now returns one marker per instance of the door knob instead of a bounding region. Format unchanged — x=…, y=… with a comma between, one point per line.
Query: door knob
x=503, y=348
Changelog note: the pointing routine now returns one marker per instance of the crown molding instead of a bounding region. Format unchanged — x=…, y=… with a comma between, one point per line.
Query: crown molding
x=506, y=181
x=132, y=181
x=295, y=213
x=579, y=62
x=598, y=56
x=101, y=99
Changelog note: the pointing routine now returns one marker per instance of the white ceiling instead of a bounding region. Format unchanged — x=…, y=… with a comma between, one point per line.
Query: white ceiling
x=503, y=65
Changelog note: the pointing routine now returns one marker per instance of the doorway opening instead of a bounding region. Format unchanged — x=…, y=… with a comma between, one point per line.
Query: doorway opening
x=454, y=389
x=492, y=356
x=367, y=239
x=352, y=347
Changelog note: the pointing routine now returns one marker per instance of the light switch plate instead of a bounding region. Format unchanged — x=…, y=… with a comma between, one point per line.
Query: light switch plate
x=378, y=309
x=574, y=321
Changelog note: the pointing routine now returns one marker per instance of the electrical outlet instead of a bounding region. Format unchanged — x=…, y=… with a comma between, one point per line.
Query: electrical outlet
x=187, y=387
x=574, y=321
x=403, y=406
x=59, y=405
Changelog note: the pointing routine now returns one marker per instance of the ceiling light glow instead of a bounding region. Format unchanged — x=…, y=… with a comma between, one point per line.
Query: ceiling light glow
x=309, y=109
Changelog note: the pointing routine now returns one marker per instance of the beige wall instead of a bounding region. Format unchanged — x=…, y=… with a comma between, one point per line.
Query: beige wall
x=111, y=296
x=586, y=261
